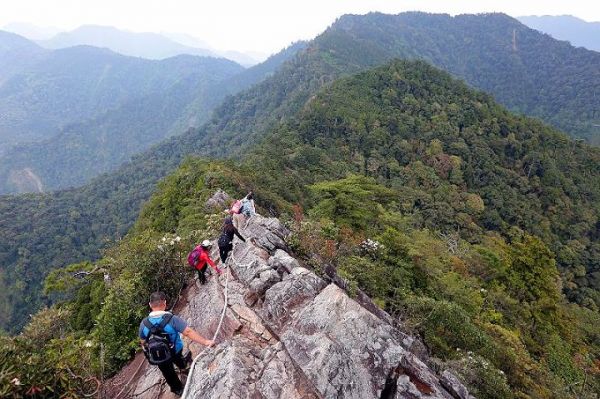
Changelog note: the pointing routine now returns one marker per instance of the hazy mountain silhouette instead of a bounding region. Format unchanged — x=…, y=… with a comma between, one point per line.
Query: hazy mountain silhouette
x=145, y=45
x=567, y=27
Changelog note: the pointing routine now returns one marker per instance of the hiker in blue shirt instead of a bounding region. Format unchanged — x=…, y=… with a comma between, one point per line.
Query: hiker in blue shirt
x=162, y=343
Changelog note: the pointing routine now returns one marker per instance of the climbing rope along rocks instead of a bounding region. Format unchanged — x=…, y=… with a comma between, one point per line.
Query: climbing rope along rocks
x=225, y=304
x=186, y=388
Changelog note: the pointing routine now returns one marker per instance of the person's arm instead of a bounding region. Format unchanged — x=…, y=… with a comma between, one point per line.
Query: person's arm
x=142, y=336
x=237, y=233
x=210, y=262
x=194, y=336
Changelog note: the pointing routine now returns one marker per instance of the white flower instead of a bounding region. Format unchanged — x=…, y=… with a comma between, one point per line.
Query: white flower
x=177, y=238
x=88, y=344
x=172, y=242
x=160, y=247
x=15, y=381
x=483, y=290
x=164, y=239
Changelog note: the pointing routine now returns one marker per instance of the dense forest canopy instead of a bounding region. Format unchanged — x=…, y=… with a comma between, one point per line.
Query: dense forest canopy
x=432, y=199
x=69, y=115
x=73, y=225
x=460, y=45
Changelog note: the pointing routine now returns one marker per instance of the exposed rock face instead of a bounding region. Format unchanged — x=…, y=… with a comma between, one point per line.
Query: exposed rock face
x=287, y=333
x=220, y=200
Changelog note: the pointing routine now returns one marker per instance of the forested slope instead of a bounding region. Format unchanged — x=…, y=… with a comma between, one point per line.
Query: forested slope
x=442, y=206
x=352, y=44
x=73, y=225
x=80, y=151
x=525, y=70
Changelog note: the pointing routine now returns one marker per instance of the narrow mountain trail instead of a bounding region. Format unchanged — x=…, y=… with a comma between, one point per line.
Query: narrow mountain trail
x=286, y=333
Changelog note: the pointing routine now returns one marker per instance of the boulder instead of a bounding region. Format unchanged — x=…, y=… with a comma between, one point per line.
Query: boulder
x=282, y=262
x=454, y=386
x=219, y=201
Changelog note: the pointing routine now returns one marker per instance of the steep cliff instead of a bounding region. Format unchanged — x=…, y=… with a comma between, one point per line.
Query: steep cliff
x=288, y=333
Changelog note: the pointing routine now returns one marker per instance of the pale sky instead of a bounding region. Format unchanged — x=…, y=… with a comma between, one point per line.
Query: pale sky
x=264, y=26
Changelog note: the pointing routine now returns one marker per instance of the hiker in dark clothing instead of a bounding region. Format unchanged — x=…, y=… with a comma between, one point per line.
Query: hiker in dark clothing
x=159, y=325
x=226, y=239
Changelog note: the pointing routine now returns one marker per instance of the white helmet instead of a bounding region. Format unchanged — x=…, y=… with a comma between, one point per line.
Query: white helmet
x=206, y=244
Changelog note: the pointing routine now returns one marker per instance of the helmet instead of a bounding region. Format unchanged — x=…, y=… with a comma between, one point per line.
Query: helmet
x=206, y=244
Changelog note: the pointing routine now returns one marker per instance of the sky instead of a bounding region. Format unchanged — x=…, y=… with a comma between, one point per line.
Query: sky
x=263, y=26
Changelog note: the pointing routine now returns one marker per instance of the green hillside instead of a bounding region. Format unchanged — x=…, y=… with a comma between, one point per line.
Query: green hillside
x=74, y=225
x=351, y=45
x=533, y=74
x=412, y=187
x=83, y=150
x=101, y=144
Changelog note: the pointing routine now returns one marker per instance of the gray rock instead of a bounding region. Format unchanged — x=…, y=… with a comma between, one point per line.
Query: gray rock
x=454, y=386
x=345, y=350
x=219, y=201
x=285, y=298
x=283, y=262
x=420, y=379
x=237, y=369
x=267, y=233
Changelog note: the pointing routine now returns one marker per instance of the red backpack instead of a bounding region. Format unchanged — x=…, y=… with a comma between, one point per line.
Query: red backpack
x=194, y=256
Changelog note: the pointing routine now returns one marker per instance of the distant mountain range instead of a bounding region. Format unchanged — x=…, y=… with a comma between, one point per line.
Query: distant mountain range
x=567, y=27
x=73, y=113
x=526, y=71
x=42, y=91
x=154, y=46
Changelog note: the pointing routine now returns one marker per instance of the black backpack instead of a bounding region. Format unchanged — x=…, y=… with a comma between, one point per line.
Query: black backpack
x=158, y=349
x=224, y=240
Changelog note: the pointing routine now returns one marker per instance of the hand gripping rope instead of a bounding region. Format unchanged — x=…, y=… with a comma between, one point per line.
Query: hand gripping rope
x=216, y=334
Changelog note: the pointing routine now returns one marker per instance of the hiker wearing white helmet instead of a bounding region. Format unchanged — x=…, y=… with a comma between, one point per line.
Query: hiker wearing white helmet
x=198, y=259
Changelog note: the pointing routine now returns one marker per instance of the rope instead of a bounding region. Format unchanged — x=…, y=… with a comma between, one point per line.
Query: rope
x=225, y=304
x=186, y=388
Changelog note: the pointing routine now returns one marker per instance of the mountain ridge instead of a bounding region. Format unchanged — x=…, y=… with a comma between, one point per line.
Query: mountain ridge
x=238, y=123
x=398, y=201
x=578, y=32
x=146, y=45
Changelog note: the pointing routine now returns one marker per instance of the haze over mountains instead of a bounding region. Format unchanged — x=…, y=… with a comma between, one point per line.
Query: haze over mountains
x=156, y=46
x=567, y=27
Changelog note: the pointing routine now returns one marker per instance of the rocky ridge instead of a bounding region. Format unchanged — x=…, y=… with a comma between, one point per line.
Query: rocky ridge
x=288, y=333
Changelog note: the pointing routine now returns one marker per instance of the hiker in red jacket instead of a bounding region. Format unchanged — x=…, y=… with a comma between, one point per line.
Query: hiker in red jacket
x=199, y=257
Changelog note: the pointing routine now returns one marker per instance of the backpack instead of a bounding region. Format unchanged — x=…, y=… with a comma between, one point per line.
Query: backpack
x=224, y=240
x=158, y=348
x=194, y=256
x=236, y=207
x=246, y=208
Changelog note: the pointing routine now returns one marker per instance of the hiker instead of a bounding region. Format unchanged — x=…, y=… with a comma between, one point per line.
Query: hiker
x=226, y=240
x=248, y=208
x=161, y=341
x=242, y=209
x=198, y=259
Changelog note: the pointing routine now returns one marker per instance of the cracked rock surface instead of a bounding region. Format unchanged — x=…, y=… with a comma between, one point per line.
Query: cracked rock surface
x=288, y=333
